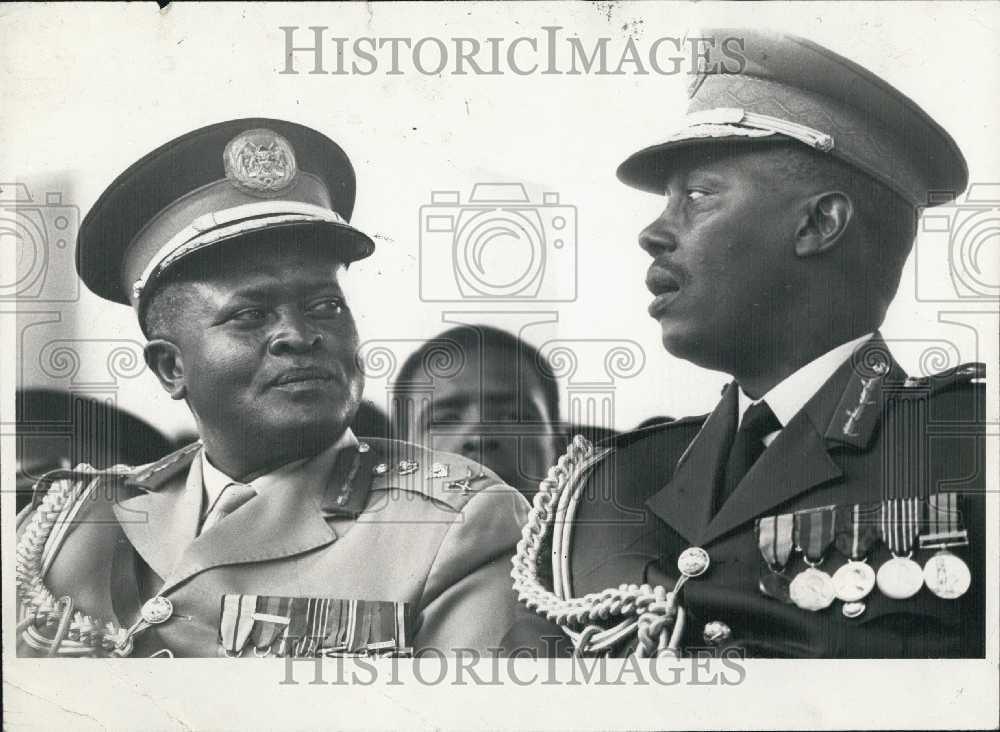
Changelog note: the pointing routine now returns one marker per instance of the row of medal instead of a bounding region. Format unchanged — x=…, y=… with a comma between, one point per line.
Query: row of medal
x=903, y=525
x=304, y=627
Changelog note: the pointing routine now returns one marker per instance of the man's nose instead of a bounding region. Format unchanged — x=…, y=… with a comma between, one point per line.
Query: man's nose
x=660, y=236
x=294, y=334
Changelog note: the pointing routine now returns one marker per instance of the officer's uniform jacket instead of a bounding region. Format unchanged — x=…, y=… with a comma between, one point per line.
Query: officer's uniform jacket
x=427, y=534
x=651, y=497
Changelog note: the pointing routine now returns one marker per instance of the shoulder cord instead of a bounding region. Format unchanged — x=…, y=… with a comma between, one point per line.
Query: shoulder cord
x=651, y=612
x=76, y=634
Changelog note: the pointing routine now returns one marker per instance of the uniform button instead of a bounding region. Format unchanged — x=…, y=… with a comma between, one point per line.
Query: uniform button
x=693, y=561
x=716, y=632
x=364, y=447
x=157, y=610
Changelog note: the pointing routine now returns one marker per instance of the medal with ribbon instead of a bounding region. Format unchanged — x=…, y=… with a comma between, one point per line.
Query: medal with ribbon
x=856, y=533
x=812, y=589
x=774, y=539
x=900, y=577
x=945, y=574
x=305, y=627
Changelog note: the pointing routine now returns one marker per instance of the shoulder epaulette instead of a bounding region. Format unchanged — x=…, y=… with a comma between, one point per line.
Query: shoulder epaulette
x=83, y=471
x=628, y=438
x=154, y=473
x=448, y=479
x=967, y=373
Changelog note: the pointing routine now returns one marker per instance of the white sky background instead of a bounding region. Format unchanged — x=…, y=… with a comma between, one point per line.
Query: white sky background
x=88, y=90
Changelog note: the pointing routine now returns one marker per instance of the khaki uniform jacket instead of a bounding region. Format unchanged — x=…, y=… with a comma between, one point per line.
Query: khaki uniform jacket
x=381, y=533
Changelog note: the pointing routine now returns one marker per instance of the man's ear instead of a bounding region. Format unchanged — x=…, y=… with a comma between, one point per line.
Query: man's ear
x=825, y=219
x=164, y=360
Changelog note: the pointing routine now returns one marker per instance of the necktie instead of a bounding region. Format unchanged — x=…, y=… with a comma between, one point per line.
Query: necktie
x=233, y=496
x=748, y=445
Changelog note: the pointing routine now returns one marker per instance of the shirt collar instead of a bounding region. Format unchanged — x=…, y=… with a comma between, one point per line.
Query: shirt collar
x=789, y=396
x=290, y=475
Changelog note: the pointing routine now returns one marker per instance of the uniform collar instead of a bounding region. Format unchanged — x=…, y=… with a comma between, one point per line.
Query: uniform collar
x=844, y=412
x=290, y=476
x=791, y=395
x=288, y=517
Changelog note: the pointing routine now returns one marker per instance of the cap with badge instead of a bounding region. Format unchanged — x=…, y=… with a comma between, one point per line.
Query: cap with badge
x=213, y=185
x=789, y=88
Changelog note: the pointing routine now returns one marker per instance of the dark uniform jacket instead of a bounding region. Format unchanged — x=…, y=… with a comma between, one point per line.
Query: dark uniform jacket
x=651, y=498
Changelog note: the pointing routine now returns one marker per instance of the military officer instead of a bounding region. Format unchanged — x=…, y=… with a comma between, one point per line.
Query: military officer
x=279, y=532
x=830, y=505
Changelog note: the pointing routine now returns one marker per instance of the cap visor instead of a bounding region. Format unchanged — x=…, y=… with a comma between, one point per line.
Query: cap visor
x=649, y=168
x=349, y=244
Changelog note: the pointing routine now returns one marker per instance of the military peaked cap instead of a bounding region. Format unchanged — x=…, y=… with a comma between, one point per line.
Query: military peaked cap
x=212, y=185
x=793, y=89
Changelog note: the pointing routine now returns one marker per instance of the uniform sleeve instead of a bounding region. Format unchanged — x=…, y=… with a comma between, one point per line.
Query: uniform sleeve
x=468, y=601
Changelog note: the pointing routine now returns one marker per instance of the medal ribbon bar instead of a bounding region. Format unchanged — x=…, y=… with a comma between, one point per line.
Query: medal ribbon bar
x=944, y=523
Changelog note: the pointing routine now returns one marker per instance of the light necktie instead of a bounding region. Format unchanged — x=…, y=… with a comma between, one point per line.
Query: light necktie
x=233, y=496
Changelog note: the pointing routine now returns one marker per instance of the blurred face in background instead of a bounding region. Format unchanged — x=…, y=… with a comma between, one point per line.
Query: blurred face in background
x=493, y=411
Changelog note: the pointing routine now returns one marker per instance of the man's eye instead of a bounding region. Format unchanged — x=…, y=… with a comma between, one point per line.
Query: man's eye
x=330, y=305
x=692, y=194
x=249, y=315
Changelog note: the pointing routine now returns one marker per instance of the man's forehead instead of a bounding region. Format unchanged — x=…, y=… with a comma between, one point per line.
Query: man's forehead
x=489, y=384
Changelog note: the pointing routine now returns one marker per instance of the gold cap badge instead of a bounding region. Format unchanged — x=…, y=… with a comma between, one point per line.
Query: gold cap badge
x=260, y=162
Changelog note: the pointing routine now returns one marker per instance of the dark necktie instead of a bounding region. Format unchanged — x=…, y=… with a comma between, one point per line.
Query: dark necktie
x=748, y=445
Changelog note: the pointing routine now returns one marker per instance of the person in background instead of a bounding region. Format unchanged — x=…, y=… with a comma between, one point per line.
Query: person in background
x=59, y=429
x=483, y=393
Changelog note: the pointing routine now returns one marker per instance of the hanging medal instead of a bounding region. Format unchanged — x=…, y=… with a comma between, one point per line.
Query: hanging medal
x=812, y=589
x=945, y=574
x=774, y=539
x=856, y=533
x=900, y=577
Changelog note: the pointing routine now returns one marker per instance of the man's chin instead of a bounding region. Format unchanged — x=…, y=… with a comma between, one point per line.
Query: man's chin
x=310, y=426
x=696, y=347
x=677, y=341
